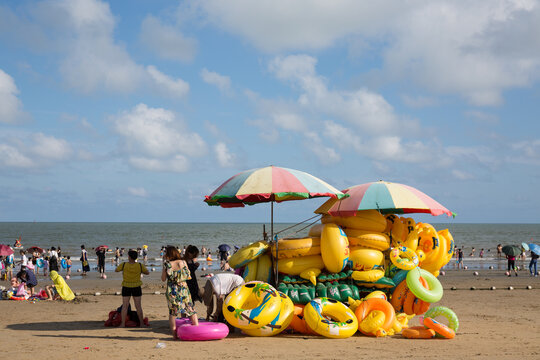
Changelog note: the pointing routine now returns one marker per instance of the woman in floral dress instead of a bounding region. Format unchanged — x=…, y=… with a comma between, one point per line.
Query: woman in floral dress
x=176, y=272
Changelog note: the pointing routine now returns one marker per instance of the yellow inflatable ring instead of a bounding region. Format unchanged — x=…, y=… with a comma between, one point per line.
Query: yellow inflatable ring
x=368, y=276
x=280, y=322
x=334, y=248
x=295, y=266
x=368, y=239
x=365, y=259
x=247, y=254
x=291, y=248
x=318, y=311
x=252, y=305
x=404, y=258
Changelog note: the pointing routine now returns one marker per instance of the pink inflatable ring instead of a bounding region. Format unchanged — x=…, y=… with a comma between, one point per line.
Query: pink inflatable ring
x=206, y=330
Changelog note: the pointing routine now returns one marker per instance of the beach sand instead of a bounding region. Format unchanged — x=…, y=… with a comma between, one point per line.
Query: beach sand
x=493, y=324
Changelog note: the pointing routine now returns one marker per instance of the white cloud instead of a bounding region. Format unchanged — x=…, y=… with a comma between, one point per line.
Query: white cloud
x=419, y=101
x=167, y=41
x=10, y=105
x=82, y=33
x=476, y=50
x=156, y=139
x=176, y=88
x=223, y=83
x=137, y=191
x=33, y=151
x=366, y=109
x=224, y=156
x=482, y=117
x=525, y=152
x=281, y=25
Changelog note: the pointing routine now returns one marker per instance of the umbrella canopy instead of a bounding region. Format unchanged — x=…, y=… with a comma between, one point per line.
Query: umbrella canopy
x=511, y=250
x=387, y=197
x=5, y=250
x=33, y=249
x=525, y=246
x=224, y=247
x=271, y=183
x=102, y=247
x=534, y=248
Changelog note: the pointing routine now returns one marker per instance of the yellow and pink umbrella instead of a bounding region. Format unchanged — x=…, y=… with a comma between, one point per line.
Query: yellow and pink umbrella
x=386, y=197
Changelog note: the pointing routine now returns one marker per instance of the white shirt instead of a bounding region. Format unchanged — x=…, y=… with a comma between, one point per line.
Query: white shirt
x=24, y=260
x=54, y=253
x=225, y=283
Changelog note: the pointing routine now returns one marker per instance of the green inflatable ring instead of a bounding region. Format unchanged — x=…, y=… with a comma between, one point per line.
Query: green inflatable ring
x=453, y=321
x=431, y=295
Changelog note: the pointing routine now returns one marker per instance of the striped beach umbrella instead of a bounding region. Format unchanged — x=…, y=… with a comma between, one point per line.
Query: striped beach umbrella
x=269, y=184
x=386, y=197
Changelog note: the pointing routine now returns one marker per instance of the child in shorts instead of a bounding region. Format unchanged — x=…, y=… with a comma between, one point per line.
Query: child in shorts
x=131, y=285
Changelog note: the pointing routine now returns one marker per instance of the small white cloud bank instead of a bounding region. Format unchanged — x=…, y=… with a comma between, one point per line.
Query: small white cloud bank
x=32, y=152
x=137, y=191
x=223, y=83
x=11, y=108
x=167, y=41
x=156, y=139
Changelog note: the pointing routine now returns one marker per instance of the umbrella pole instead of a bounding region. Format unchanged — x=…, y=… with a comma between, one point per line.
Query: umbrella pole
x=272, y=239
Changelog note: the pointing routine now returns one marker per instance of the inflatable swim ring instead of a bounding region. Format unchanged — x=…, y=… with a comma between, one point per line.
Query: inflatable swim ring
x=295, y=266
x=264, y=268
x=280, y=322
x=250, y=271
x=298, y=323
x=247, y=254
x=63, y=263
x=378, y=323
x=404, y=258
x=441, y=329
x=453, y=321
x=318, y=311
x=39, y=263
x=334, y=248
x=368, y=275
x=368, y=239
x=252, y=305
x=365, y=259
x=418, y=332
x=206, y=330
x=432, y=294
x=291, y=248
x=370, y=220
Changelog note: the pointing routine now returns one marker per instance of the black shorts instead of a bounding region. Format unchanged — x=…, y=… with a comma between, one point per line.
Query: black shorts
x=128, y=291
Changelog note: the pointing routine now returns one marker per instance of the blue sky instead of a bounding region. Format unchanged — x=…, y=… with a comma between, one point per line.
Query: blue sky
x=134, y=110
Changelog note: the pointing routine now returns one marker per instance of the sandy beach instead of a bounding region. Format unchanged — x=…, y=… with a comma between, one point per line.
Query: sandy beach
x=493, y=324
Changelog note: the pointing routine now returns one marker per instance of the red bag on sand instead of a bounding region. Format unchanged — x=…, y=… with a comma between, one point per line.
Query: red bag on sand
x=115, y=319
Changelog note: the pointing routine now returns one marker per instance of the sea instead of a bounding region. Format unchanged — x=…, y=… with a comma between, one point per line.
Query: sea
x=69, y=236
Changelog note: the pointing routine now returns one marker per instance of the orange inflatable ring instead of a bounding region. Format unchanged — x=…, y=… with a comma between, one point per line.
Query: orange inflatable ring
x=19, y=298
x=411, y=300
x=420, y=306
x=369, y=305
x=298, y=323
x=439, y=328
x=399, y=295
x=418, y=332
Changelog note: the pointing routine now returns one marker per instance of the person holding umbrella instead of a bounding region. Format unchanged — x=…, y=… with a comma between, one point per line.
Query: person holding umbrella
x=511, y=252
x=224, y=252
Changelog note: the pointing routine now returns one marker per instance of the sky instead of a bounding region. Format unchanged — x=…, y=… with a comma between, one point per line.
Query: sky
x=135, y=110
